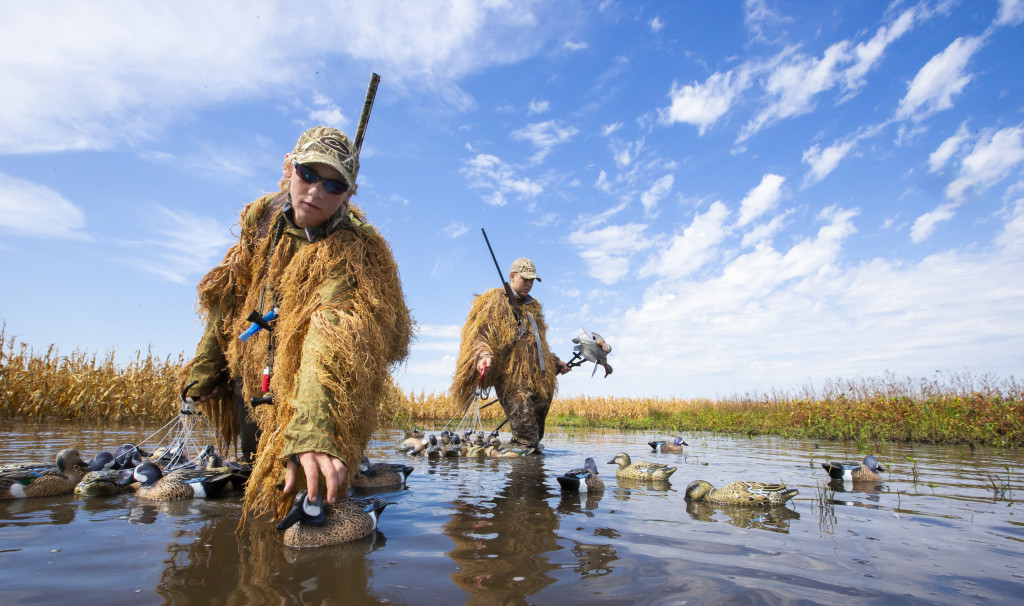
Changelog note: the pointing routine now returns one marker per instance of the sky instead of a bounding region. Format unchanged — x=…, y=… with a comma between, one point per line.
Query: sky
x=741, y=197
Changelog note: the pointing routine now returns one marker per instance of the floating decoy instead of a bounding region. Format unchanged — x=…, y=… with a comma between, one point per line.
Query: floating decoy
x=41, y=479
x=741, y=493
x=101, y=462
x=413, y=446
x=433, y=451
x=180, y=484
x=477, y=452
x=380, y=475
x=128, y=455
x=211, y=461
x=570, y=481
x=344, y=521
x=673, y=447
x=867, y=471
x=498, y=453
x=641, y=470
x=104, y=483
x=452, y=448
x=416, y=433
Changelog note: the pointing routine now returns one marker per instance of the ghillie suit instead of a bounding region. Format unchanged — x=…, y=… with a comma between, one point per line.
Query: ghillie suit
x=343, y=322
x=525, y=391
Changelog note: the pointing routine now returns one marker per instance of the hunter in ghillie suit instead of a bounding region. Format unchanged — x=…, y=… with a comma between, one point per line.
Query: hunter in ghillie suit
x=341, y=324
x=509, y=358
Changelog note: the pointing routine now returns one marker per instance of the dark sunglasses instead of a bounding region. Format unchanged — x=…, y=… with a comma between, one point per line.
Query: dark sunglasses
x=308, y=175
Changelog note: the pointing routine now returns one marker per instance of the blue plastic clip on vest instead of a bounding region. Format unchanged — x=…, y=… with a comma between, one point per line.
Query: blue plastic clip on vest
x=256, y=326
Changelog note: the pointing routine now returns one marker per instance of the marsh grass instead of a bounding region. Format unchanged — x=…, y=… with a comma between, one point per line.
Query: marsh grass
x=944, y=409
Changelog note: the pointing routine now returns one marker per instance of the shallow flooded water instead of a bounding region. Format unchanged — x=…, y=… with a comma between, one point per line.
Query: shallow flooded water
x=943, y=527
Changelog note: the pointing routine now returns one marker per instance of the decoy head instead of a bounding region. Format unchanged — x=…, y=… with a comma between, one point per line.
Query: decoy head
x=103, y=460
x=127, y=455
x=591, y=465
x=147, y=474
x=69, y=459
x=622, y=460
x=872, y=463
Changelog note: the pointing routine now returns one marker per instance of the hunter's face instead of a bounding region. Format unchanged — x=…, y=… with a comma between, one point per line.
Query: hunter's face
x=521, y=285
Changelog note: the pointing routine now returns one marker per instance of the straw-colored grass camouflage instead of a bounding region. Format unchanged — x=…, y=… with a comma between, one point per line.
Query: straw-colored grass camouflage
x=947, y=408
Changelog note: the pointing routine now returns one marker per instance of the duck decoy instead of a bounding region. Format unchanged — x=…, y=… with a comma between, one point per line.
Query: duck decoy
x=41, y=479
x=128, y=456
x=477, y=452
x=498, y=453
x=344, y=521
x=380, y=475
x=413, y=446
x=180, y=484
x=866, y=471
x=584, y=479
x=101, y=462
x=741, y=493
x=591, y=347
x=641, y=470
x=104, y=483
x=453, y=448
x=416, y=434
x=479, y=439
x=433, y=450
x=209, y=460
x=673, y=447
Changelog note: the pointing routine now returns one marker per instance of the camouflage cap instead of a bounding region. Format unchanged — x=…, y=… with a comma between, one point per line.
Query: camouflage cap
x=328, y=146
x=525, y=268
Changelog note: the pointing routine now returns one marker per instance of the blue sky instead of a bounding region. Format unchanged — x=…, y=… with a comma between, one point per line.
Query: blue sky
x=740, y=196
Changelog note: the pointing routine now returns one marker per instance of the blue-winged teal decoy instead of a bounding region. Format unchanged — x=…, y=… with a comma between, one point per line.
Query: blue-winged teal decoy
x=380, y=475
x=101, y=462
x=319, y=525
x=866, y=471
x=42, y=479
x=104, y=483
x=741, y=493
x=675, y=446
x=128, y=456
x=433, y=450
x=180, y=484
x=641, y=470
x=584, y=479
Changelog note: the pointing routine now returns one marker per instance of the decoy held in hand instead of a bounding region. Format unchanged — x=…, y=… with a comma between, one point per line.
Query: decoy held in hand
x=591, y=347
x=344, y=521
x=741, y=493
x=667, y=447
x=866, y=471
x=641, y=470
x=584, y=479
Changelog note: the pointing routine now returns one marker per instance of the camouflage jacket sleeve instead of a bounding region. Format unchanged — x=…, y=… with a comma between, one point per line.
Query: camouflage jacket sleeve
x=210, y=367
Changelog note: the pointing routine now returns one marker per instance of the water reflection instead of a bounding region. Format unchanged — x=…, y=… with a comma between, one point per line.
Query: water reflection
x=501, y=541
x=776, y=518
x=573, y=502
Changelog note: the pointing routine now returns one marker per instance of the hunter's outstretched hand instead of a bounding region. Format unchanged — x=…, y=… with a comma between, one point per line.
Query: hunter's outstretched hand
x=313, y=463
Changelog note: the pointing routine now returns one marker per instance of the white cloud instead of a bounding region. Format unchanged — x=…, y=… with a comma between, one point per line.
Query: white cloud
x=657, y=24
x=924, y=225
x=607, y=252
x=114, y=68
x=696, y=246
x=824, y=161
x=942, y=78
x=575, y=46
x=611, y=128
x=327, y=112
x=538, y=107
x=761, y=199
x=703, y=104
x=455, y=229
x=36, y=210
x=867, y=54
x=661, y=188
x=995, y=156
x=544, y=136
x=497, y=179
x=1011, y=12
x=938, y=158
x=185, y=246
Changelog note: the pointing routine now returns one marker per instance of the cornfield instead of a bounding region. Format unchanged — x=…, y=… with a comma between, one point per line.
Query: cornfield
x=959, y=408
